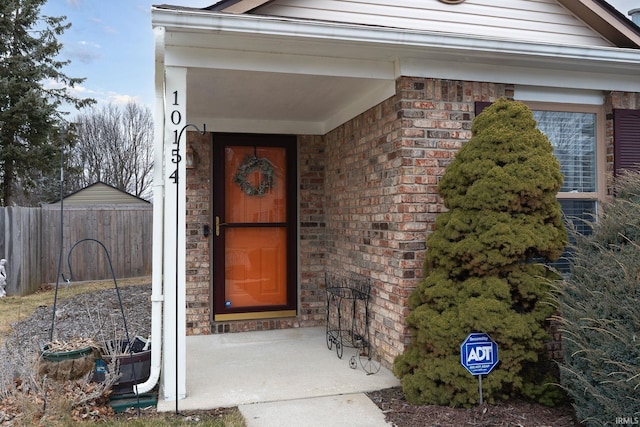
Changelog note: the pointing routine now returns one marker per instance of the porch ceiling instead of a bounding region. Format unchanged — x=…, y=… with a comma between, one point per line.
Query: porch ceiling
x=274, y=102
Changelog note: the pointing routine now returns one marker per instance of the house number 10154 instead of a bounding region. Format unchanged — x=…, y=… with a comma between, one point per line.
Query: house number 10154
x=176, y=121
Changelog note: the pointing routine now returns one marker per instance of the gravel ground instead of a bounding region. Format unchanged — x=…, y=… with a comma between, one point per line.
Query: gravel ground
x=96, y=315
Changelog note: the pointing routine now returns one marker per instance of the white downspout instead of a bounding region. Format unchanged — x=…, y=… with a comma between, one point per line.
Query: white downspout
x=157, y=272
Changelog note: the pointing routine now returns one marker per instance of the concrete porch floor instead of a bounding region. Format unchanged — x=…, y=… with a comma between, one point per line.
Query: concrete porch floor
x=286, y=368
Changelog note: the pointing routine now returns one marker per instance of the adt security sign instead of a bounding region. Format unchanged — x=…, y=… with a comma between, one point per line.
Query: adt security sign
x=479, y=354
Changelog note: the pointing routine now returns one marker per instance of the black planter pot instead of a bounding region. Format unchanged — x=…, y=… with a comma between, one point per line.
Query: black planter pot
x=135, y=364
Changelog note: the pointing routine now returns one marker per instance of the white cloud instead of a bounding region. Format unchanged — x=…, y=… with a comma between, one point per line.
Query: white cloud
x=101, y=96
x=117, y=98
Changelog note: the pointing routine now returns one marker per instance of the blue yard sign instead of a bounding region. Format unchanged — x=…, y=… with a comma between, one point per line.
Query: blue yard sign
x=479, y=355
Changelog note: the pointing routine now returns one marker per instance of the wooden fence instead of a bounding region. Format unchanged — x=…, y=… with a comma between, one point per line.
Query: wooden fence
x=30, y=242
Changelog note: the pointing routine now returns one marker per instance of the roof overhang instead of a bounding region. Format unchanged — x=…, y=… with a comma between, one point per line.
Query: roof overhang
x=606, y=20
x=264, y=74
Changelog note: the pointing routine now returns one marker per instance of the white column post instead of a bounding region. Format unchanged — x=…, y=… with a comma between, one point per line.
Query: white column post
x=174, y=327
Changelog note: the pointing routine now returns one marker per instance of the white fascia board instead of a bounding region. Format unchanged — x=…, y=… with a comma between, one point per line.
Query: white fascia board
x=530, y=76
x=553, y=56
x=278, y=63
x=561, y=95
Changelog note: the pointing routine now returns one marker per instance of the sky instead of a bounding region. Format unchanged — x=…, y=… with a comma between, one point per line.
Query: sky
x=110, y=43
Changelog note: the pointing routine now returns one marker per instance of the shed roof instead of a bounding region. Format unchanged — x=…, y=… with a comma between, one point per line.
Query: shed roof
x=100, y=193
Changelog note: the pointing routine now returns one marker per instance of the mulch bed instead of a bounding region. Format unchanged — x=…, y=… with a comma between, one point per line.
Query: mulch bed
x=401, y=413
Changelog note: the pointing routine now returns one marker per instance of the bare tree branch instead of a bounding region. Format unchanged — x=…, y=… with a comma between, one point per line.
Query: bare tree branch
x=115, y=146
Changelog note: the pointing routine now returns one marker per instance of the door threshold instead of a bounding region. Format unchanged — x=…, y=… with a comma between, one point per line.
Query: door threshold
x=254, y=315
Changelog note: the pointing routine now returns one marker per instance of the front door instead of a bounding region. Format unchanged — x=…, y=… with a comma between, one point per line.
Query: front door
x=254, y=196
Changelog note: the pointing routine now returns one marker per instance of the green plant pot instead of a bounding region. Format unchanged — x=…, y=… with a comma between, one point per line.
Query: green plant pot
x=57, y=356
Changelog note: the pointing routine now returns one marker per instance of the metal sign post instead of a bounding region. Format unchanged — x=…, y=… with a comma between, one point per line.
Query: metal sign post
x=479, y=355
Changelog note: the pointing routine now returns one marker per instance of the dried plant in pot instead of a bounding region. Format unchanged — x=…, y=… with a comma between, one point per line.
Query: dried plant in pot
x=68, y=360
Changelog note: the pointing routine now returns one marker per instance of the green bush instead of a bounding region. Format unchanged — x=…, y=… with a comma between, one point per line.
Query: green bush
x=600, y=313
x=500, y=192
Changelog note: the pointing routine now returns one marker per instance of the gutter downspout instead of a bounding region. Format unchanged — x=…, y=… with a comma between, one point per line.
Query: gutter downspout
x=157, y=273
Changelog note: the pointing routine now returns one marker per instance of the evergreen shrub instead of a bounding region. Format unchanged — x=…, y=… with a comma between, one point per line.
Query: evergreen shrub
x=600, y=314
x=480, y=274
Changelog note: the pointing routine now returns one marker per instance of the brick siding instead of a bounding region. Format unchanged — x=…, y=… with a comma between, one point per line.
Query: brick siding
x=381, y=195
x=367, y=200
x=198, y=262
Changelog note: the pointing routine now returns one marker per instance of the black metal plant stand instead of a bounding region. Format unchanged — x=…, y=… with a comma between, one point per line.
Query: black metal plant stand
x=347, y=319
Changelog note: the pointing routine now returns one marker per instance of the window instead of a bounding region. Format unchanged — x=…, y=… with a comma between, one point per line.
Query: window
x=577, y=136
x=573, y=136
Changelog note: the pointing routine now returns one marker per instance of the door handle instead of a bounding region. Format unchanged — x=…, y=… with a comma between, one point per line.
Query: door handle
x=218, y=225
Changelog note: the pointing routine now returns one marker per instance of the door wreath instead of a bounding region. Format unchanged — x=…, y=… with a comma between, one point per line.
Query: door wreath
x=249, y=165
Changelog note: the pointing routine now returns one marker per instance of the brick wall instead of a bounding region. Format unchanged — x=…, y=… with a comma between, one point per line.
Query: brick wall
x=313, y=239
x=198, y=275
x=367, y=200
x=381, y=190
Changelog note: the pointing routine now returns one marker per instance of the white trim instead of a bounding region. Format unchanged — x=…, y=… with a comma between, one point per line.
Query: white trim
x=601, y=144
x=274, y=62
x=262, y=43
x=174, y=325
x=474, y=47
x=583, y=77
x=558, y=95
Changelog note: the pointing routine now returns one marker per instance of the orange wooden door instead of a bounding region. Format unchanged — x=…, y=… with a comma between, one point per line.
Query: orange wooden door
x=252, y=277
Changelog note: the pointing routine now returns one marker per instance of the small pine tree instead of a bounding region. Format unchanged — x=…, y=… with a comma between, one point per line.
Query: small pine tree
x=500, y=192
x=600, y=314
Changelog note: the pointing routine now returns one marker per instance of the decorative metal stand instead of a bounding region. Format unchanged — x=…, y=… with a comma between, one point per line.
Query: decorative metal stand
x=347, y=319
